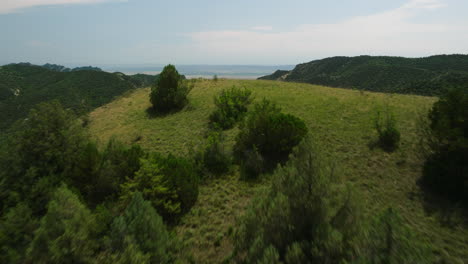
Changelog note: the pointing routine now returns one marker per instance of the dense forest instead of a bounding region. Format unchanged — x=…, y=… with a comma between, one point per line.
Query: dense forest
x=422, y=76
x=82, y=89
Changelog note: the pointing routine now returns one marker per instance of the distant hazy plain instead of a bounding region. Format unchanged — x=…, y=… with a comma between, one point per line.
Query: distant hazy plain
x=205, y=71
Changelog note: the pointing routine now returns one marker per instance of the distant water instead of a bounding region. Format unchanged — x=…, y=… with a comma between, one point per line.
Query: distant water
x=206, y=71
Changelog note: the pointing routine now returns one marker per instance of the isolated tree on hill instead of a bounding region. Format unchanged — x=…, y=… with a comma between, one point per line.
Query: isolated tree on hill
x=170, y=90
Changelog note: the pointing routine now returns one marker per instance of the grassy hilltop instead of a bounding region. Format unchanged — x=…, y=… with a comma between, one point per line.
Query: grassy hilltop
x=340, y=119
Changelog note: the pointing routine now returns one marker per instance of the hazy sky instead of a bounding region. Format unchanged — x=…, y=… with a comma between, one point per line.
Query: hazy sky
x=77, y=32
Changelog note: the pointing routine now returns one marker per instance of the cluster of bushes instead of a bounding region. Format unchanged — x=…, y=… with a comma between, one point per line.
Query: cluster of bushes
x=61, y=195
x=446, y=169
x=389, y=135
x=266, y=138
x=231, y=106
x=307, y=216
x=169, y=91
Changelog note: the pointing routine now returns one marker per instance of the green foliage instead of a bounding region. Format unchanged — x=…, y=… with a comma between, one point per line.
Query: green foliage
x=268, y=135
x=99, y=174
x=16, y=230
x=132, y=254
x=446, y=170
x=155, y=187
x=64, y=234
x=140, y=235
x=231, y=106
x=22, y=86
x=389, y=135
x=170, y=90
x=143, y=80
x=213, y=157
x=424, y=76
x=170, y=183
x=304, y=215
x=41, y=150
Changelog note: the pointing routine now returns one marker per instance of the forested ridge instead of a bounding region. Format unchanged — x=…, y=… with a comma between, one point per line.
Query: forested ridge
x=423, y=76
x=24, y=85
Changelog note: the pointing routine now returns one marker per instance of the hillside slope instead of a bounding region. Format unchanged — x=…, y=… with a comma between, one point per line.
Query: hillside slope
x=24, y=85
x=341, y=121
x=422, y=76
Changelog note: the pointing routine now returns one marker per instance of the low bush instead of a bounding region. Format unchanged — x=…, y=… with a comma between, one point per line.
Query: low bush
x=389, y=135
x=231, y=106
x=267, y=135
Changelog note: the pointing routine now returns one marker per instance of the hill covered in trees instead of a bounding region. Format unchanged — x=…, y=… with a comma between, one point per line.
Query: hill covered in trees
x=60, y=68
x=82, y=89
x=423, y=76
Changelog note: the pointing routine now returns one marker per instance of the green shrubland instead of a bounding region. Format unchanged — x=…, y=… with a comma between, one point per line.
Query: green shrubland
x=307, y=216
x=330, y=198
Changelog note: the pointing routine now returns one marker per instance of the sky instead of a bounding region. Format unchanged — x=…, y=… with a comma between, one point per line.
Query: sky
x=221, y=32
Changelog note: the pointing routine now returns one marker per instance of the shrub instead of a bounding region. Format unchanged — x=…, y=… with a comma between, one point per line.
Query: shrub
x=446, y=169
x=304, y=216
x=169, y=183
x=170, y=90
x=213, y=157
x=268, y=135
x=231, y=106
x=307, y=216
x=389, y=136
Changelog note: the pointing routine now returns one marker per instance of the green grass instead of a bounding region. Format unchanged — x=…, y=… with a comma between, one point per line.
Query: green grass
x=340, y=119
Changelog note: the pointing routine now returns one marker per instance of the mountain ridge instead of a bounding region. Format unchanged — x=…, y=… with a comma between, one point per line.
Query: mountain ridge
x=24, y=85
x=422, y=76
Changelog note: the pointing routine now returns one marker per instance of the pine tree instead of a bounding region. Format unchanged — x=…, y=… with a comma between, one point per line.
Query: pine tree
x=65, y=232
x=141, y=230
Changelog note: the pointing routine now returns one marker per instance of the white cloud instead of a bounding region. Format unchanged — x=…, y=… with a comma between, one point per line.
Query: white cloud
x=10, y=6
x=393, y=32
